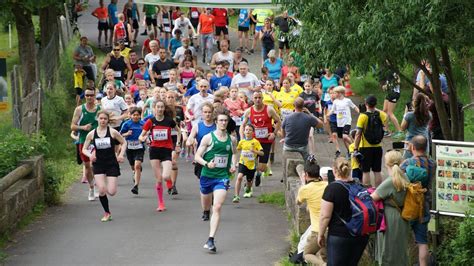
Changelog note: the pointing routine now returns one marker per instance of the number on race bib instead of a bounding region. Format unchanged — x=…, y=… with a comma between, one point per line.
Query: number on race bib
x=248, y=155
x=221, y=160
x=261, y=132
x=194, y=14
x=118, y=74
x=165, y=74
x=160, y=134
x=102, y=143
x=134, y=145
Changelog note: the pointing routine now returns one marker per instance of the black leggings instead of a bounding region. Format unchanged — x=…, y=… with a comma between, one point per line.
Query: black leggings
x=345, y=251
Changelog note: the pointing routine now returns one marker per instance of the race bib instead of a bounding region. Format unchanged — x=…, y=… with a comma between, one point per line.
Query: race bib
x=165, y=74
x=341, y=118
x=134, y=145
x=285, y=112
x=282, y=39
x=261, y=132
x=160, y=134
x=165, y=21
x=102, y=20
x=396, y=89
x=194, y=14
x=221, y=160
x=326, y=97
x=102, y=143
x=118, y=74
x=237, y=120
x=242, y=16
x=167, y=29
x=185, y=81
x=153, y=16
x=248, y=155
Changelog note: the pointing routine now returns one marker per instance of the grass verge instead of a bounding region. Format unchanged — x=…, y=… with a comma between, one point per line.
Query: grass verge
x=275, y=198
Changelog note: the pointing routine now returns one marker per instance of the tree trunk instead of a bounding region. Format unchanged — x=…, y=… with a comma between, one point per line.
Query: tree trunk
x=457, y=125
x=27, y=50
x=437, y=96
x=48, y=23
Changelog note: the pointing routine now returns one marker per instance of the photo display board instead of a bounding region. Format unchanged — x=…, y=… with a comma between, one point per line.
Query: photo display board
x=454, y=177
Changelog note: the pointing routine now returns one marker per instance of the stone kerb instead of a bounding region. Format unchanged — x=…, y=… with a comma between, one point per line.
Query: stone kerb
x=20, y=191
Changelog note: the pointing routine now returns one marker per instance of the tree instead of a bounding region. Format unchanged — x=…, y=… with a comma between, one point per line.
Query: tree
x=366, y=33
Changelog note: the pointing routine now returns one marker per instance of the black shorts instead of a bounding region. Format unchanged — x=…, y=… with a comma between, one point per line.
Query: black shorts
x=135, y=24
x=149, y=21
x=372, y=159
x=244, y=29
x=112, y=169
x=223, y=29
x=78, y=154
x=162, y=154
x=103, y=26
x=249, y=174
x=343, y=131
x=284, y=44
x=392, y=96
x=78, y=91
x=174, y=139
x=135, y=155
x=333, y=127
x=197, y=170
x=267, y=147
x=89, y=72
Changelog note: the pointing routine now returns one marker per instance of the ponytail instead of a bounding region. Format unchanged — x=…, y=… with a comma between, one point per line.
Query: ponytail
x=393, y=160
x=342, y=167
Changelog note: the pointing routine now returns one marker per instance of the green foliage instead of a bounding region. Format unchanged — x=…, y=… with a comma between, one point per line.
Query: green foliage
x=276, y=198
x=16, y=146
x=458, y=247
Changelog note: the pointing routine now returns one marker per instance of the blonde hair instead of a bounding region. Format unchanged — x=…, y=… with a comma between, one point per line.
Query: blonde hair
x=221, y=92
x=393, y=159
x=342, y=167
x=109, y=71
x=340, y=89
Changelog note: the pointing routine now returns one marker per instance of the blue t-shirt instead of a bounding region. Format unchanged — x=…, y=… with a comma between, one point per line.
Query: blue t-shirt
x=413, y=128
x=332, y=117
x=193, y=90
x=217, y=82
x=174, y=44
x=274, y=69
x=135, y=127
x=134, y=11
x=112, y=9
x=243, y=15
x=326, y=84
x=203, y=130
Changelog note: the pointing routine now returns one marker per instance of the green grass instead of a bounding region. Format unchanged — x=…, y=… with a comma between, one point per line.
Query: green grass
x=275, y=198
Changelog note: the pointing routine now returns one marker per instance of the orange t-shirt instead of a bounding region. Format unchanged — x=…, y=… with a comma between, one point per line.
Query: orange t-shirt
x=102, y=13
x=207, y=23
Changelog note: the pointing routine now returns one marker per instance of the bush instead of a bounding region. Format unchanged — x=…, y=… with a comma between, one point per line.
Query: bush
x=16, y=146
x=459, y=249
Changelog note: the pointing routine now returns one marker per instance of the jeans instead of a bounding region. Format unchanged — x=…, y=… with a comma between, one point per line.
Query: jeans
x=345, y=251
x=303, y=150
x=266, y=50
x=206, y=44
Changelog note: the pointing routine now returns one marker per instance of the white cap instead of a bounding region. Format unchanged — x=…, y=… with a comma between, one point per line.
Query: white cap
x=323, y=172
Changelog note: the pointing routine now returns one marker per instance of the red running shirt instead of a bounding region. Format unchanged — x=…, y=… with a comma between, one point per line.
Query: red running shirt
x=262, y=123
x=221, y=16
x=160, y=132
x=207, y=23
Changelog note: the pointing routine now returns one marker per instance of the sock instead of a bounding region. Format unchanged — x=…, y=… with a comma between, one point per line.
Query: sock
x=159, y=192
x=211, y=238
x=169, y=184
x=272, y=157
x=105, y=203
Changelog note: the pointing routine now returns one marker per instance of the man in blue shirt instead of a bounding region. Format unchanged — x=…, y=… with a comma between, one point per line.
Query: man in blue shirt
x=220, y=78
x=113, y=18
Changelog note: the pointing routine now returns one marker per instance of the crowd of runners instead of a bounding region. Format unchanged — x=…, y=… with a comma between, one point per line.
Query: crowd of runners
x=226, y=118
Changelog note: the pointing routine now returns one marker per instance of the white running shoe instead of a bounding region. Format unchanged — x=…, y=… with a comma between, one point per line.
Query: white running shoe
x=91, y=194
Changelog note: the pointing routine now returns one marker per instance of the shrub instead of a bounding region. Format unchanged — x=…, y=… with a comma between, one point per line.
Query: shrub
x=459, y=249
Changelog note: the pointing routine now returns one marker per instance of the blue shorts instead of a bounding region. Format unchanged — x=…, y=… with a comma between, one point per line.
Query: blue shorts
x=421, y=232
x=209, y=185
x=258, y=28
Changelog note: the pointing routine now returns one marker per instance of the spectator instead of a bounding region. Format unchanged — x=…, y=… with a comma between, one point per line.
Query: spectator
x=342, y=247
x=84, y=56
x=102, y=15
x=416, y=122
x=268, y=39
x=284, y=22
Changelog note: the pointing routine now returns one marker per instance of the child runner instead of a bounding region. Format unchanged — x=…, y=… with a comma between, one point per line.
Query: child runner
x=250, y=148
x=330, y=120
x=135, y=149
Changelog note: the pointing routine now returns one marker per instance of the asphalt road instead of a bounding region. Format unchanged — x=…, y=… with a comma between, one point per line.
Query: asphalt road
x=72, y=234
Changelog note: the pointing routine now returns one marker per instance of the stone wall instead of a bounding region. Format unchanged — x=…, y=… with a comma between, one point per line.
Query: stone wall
x=298, y=214
x=20, y=191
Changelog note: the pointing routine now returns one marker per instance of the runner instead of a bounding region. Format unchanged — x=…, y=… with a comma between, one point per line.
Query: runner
x=193, y=108
x=221, y=30
x=133, y=16
x=223, y=55
x=161, y=146
x=84, y=121
x=250, y=148
x=184, y=24
x=261, y=117
x=135, y=149
x=102, y=15
x=245, y=81
x=122, y=31
x=119, y=64
x=243, y=28
x=258, y=16
x=161, y=68
x=164, y=20
x=287, y=98
x=113, y=18
x=217, y=154
x=236, y=108
x=220, y=78
x=115, y=105
x=206, y=28
x=105, y=161
x=150, y=19
x=179, y=118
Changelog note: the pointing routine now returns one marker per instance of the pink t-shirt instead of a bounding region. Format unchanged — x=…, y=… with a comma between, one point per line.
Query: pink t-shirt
x=234, y=107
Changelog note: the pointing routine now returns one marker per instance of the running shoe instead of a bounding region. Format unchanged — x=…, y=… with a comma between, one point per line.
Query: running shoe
x=161, y=208
x=258, y=179
x=206, y=215
x=91, y=196
x=252, y=51
x=270, y=173
x=107, y=217
x=338, y=153
x=144, y=33
x=135, y=190
x=248, y=193
x=236, y=199
x=386, y=134
x=398, y=135
x=182, y=154
x=204, y=58
x=96, y=192
x=190, y=158
x=210, y=246
x=174, y=191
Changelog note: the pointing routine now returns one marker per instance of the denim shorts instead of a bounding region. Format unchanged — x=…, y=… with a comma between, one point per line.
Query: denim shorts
x=421, y=232
x=209, y=185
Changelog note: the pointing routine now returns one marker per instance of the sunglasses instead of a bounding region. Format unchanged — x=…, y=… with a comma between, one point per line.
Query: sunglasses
x=116, y=49
x=89, y=95
x=141, y=63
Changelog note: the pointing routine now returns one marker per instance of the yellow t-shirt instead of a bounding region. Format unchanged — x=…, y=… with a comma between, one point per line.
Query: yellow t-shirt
x=79, y=79
x=354, y=162
x=262, y=14
x=362, y=122
x=287, y=100
x=247, y=157
x=267, y=100
x=125, y=52
x=297, y=88
x=312, y=193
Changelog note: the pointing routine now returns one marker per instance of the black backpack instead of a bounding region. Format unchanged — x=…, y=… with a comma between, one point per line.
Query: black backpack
x=373, y=133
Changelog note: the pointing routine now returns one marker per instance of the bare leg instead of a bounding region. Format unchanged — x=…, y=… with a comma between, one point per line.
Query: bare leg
x=378, y=178
x=238, y=184
x=206, y=201
x=111, y=185
x=138, y=172
x=366, y=178
x=219, y=197
x=423, y=254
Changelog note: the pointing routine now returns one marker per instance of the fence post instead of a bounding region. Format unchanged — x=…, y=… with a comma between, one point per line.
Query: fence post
x=68, y=25
x=16, y=95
